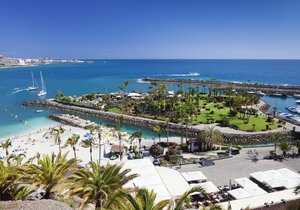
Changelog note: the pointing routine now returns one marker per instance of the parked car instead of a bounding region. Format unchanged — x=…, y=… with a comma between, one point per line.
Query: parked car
x=156, y=162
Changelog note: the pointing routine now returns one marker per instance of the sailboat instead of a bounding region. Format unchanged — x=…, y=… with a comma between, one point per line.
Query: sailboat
x=43, y=91
x=34, y=84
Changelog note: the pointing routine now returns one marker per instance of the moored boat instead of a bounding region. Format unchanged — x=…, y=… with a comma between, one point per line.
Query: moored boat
x=259, y=93
x=43, y=91
x=277, y=95
x=297, y=96
x=34, y=84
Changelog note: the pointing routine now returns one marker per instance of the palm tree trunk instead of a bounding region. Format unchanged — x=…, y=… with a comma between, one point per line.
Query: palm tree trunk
x=140, y=140
x=99, y=136
x=6, y=151
x=47, y=194
x=120, y=150
x=91, y=151
x=74, y=150
x=98, y=205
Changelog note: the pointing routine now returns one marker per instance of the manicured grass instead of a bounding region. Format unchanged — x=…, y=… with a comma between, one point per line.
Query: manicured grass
x=219, y=114
x=115, y=110
x=260, y=123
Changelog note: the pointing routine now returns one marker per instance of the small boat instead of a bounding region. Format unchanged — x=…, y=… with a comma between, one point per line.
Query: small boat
x=38, y=111
x=296, y=95
x=43, y=91
x=259, y=93
x=298, y=102
x=250, y=92
x=17, y=88
x=277, y=95
x=34, y=84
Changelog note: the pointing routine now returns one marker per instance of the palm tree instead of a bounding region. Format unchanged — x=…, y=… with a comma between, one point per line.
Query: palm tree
x=99, y=183
x=185, y=198
x=137, y=135
x=72, y=141
x=167, y=120
x=9, y=174
x=284, y=147
x=139, y=199
x=274, y=137
x=50, y=172
x=55, y=133
x=213, y=207
x=88, y=143
x=213, y=136
x=118, y=133
x=5, y=145
x=274, y=111
x=158, y=130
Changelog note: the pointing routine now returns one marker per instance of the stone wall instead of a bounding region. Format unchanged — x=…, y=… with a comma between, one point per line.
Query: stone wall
x=150, y=123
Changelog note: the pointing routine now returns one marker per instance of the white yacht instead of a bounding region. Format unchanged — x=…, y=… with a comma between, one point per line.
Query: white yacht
x=296, y=95
x=34, y=84
x=259, y=93
x=43, y=91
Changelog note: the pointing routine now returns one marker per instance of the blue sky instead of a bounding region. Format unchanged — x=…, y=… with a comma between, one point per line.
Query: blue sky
x=150, y=28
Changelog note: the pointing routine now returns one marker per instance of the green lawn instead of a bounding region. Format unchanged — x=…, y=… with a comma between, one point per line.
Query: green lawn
x=218, y=114
x=115, y=110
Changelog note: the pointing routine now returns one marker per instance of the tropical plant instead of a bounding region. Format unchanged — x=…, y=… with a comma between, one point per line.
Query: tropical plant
x=9, y=174
x=213, y=207
x=274, y=137
x=5, y=145
x=118, y=133
x=97, y=184
x=72, y=141
x=50, y=172
x=284, y=147
x=139, y=199
x=185, y=198
x=212, y=136
x=137, y=135
x=158, y=130
x=55, y=133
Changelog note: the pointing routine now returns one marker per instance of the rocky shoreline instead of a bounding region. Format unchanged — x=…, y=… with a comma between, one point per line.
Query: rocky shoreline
x=179, y=129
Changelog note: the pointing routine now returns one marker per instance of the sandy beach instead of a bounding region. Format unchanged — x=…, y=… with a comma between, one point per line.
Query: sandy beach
x=37, y=142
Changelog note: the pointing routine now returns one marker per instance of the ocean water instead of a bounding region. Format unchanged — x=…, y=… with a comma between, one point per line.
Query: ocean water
x=107, y=75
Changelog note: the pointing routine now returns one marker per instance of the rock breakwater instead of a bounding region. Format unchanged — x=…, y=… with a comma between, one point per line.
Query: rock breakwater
x=179, y=129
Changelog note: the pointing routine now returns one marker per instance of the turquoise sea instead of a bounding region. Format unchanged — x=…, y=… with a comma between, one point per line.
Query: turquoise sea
x=107, y=75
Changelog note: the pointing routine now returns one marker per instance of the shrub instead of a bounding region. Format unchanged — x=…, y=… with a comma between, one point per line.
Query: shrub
x=232, y=113
x=184, y=147
x=269, y=119
x=212, y=112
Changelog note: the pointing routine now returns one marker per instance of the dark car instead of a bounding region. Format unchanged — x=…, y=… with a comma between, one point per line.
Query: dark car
x=204, y=162
x=156, y=162
x=268, y=157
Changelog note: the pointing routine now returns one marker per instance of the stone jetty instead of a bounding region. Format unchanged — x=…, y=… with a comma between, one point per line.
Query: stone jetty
x=150, y=123
x=268, y=89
